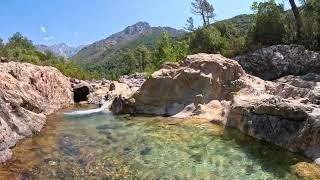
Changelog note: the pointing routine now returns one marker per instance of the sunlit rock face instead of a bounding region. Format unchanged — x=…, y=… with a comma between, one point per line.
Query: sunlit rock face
x=27, y=94
x=176, y=86
x=285, y=112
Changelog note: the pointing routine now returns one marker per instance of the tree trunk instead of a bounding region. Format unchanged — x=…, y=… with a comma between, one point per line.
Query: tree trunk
x=297, y=16
x=204, y=19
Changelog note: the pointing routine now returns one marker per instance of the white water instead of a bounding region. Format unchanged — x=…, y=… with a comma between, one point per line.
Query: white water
x=104, y=108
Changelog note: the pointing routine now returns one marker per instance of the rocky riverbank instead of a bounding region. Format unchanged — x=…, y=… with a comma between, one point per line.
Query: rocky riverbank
x=285, y=112
x=99, y=91
x=27, y=94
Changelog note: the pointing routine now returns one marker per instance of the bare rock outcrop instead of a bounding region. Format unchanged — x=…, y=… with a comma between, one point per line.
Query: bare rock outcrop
x=285, y=112
x=280, y=60
x=170, y=89
x=27, y=94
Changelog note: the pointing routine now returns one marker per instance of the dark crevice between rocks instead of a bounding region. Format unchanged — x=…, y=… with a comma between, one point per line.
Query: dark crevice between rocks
x=81, y=94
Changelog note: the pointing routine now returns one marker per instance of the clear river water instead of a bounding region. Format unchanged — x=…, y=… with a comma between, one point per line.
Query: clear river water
x=103, y=146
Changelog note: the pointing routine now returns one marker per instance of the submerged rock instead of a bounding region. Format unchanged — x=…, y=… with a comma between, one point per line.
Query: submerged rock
x=27, y=94
x=284, y=112
x=68, y=145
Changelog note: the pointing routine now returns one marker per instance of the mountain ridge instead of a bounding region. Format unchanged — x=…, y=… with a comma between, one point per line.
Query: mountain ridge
x=129, y=37
x=61, y=49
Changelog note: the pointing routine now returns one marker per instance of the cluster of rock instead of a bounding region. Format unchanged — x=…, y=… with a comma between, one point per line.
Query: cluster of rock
x=285, y=112
x=27, y=94
x=280, y=60
x=99, y=91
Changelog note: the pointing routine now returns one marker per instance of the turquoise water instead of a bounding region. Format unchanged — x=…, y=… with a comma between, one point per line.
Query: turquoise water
x=103, y=146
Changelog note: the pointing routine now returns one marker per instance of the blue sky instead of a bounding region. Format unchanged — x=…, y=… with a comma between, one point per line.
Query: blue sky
x=77, y=22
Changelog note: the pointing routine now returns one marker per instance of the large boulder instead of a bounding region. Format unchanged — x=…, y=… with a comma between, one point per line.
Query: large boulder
x=285, y=112
x=27, y=94
x=280, y=60
x=171, y=89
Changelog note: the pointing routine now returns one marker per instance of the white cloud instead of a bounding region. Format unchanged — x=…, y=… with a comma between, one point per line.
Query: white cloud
x=76, y=34
x=48, y=38
x=43, y=29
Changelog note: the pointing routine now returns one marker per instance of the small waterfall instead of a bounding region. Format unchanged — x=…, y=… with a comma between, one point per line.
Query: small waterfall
x=104, y=108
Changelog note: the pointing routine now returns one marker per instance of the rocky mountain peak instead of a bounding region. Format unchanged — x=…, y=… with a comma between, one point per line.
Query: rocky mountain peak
x=138, y=28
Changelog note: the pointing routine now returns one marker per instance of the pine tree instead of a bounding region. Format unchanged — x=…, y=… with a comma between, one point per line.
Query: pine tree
x=204, y=9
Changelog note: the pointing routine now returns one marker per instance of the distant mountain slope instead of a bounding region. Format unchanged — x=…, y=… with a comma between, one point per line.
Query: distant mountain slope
x=242, y=22
x=129, y=38
x=60, y=49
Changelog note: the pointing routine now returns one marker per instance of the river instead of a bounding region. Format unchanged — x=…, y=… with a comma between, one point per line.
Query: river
x=103, y=146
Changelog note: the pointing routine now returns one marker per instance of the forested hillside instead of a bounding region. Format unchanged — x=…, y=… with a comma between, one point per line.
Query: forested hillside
x=140, y=33
x=118, y=54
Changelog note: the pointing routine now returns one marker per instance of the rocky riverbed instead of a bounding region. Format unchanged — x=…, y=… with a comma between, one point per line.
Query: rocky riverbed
x=272, y=94
x=103, y=146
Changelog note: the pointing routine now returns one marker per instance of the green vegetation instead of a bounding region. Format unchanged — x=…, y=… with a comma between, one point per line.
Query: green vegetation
x=21, y=49
x=311, y=20
x=223, y=38
x=139, y=57
x=269, y=24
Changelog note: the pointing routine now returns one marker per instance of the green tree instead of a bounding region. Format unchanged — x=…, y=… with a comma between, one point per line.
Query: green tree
x=164, y=50
x=204, y=9
x=298, y=19
x=190, y=25
x=269, y=24
x=181, y=49
x=222, y=37
x=19, y=48
x=143, y=57
x=18, y=41
x=2, y=48
x=311, y=18
x=207, y=40
x=234, y=41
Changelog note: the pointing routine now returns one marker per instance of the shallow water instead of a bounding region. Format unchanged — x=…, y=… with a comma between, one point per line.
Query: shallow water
x=103, y=146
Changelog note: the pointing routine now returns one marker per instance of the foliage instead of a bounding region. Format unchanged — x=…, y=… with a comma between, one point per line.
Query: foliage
x=168, y=51
x=125, y=61
x=143, y=57
x=241, y=22
x=2, y=48
x=190, y=25
x=21, y=49
x=311, y=20
x=120, y=62
x=269, y=24
x=223, y=38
